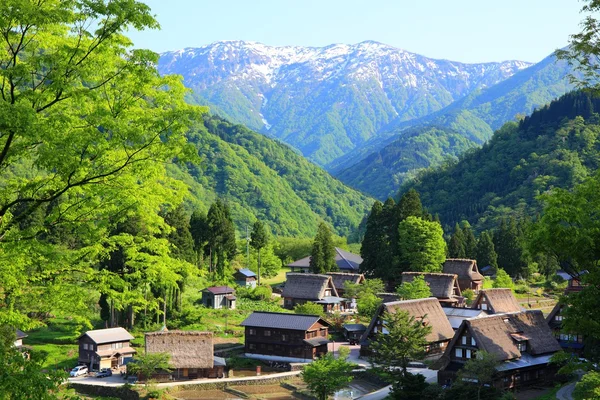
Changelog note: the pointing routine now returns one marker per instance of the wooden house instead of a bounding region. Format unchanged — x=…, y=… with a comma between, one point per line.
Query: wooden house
x=285, y=337
x=522, y=343
x=245, y=278
x=353, y=332
x=192, y=353
x=105, y=348
x=314, y=288
x=468, y=274
x=427, y=310
x=496, y=301
x=444, y=287
x=569, y=341
x=217, y=297
x=345, y=261
x=388, y=297
x=574, y=281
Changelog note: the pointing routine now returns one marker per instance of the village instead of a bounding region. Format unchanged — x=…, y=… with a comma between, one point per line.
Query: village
x=466, y=315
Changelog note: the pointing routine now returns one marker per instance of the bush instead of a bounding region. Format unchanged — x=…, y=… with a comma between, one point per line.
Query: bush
x=262, y=292
x=521, y=289
x=469, y=294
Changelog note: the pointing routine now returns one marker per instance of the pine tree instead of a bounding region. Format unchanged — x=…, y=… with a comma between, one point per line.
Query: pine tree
x=199, y=232
x=221, y=236
x=469, y=240
x=508, y=246
x=409, y=205
x=485, y=253
x=180, y=237
x=322, y=258
x=259, y=238
x=374, y=244
x=456, y=246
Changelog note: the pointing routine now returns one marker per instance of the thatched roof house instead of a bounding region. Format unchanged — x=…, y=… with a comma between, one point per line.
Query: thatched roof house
x=188, y=349
x=468, y=274
x=388, y=297
x=340, y=279
x=428, y=310
x=494, y=301
x=300, y=288
x=443, y=286
x=521, y=341
x=345, y=261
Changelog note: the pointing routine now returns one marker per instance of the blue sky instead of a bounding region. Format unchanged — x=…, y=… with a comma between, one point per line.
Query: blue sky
x=460, y=30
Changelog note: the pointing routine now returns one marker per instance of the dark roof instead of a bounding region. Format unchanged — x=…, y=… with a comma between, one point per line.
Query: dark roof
x=21, y=334
x=499, y=300
x=464, y=268
x=315, y=342
x=110, y=335
x=307, y=286
x=355, y=327
x=246, y=272
x=441, y=285
x=340, y=278
x=345, y=261
x=297, y=322
x=330, y=300
x=220, y=290
x=388, y=297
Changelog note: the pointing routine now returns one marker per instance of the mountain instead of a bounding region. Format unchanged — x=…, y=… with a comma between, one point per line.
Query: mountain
x=262, y=178
x=374, y=169
x=556, y=146
x=326, y=101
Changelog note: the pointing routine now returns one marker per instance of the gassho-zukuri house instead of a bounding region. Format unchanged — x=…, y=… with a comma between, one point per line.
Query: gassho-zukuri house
x=467, y=271
x=345, y=261
x=444, y=287
x=192, y=353
x=313, y=288
x=522, y=343
x=427, y=310
x=285, y=337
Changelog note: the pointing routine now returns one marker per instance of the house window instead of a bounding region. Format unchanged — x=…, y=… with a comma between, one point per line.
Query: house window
x=484, y=306
x=85, y=346
x=468, y=355
x=284, y=338
x=458, y=353
x=328, y=293
x=251, y=346
x=558, y=318
x=323, y=332
x=116, y=345
x=522, y=346
x=267, y=333
x=464, y=340
x=251, y=331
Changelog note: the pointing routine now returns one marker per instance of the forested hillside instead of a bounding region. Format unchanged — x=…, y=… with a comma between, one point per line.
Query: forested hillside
x=261, y=178
x=382, y=172
x=557, y=146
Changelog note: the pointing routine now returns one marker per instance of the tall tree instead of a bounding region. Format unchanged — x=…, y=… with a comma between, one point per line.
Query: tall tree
x=479, y=371
x=180, y=236
x=409, y=205
x=417, y=289
x=485, y=253
x=508, y=242
x=374, y=246
x=456, y=245
x=469, y=240
x=259, y=238
x=327, y=375
x=322, y=256
x=503, y=280
x=422, y=245
x=221, y=236
x=200, y=234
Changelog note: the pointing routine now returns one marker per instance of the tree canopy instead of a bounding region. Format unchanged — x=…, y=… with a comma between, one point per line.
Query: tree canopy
x=322, y=255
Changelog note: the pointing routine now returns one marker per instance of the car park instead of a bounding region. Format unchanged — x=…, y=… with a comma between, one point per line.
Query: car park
x=104, y=373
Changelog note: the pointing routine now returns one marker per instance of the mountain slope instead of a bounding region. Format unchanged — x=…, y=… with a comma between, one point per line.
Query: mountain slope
x=261, y=178
x=557, y=146
x=326, y=101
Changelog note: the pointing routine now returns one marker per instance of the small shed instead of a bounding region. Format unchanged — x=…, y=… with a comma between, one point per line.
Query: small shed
x=245, y=278
x=353, y=332
x=217, y=297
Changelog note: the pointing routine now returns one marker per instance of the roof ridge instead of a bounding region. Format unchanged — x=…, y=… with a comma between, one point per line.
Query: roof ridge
x=283, y=313
x=339, y=251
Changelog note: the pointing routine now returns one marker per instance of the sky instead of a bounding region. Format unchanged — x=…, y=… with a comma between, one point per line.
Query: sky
x=458, y=30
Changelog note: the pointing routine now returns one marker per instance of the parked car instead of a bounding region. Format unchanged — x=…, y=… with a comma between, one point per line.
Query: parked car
x=104, y=372
x=79, y=370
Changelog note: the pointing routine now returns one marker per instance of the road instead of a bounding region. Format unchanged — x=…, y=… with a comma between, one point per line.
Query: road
x=430, y=377
x=566, y=392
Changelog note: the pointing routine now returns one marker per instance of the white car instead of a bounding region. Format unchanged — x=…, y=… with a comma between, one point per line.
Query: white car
x=79, y=370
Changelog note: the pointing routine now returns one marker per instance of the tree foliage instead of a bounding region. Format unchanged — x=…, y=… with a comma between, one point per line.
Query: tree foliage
x=417, y=289
x=259, y=238
x=588, y=387
x=147, y=364
x=503, y=280
x=309, y=308
x=327, y=375
x=422, y=246
x=322, y=255
x=478, y=372
x=485, y=252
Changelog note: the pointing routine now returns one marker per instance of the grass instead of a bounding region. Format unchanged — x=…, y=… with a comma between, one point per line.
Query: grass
x=277, y=279
x=59, y=356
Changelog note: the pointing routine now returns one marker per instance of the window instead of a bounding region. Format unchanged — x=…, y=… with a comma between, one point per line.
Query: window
x=522, y=346
x=468, y=355
x=327, y=292
x=458, y=353
x=267, y=333
x=251, y=346
x=473, y=343
x=116, y=345
x=558, y=318
x=85, y=346
x=484, y=306
x=463, y=340
x=251, y=331
x=284, y=338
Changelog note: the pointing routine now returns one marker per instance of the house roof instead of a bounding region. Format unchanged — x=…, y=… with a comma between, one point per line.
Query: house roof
x=126, y=351
x=109, y=335
x=307, y=286
x=355, y=327
x=464, y=268
x=388, y=297
x=20, y=334
x=429, y=310
x=340, y=278
x=246, y=272
x=188, y=349
x=557, y=307
x=316, y=342
x=500, y=300
x=219, y=290
x=345, y=261
x=457, y=315
x=495, y=334
x=441, y=285
x=296, y=322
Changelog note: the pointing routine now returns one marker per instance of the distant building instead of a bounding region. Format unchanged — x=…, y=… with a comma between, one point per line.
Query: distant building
x=19, y=338
x=496, y=301
x=192, y=353
x=105, y=348
x=444, y=287
x=571, y=342
x=574, y=282
x=353, y=332
x=340, y=279
x=388, y=297
x=457, y=315
x=427, y=310
x=520, y=341
x=468, y=274
x=314, y=288
x=285, y=337
x=245, y=278
x=217, y=297
x=345, y=261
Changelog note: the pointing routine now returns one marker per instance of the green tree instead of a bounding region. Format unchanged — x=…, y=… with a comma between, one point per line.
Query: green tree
x=327, y=375
x=221, y=236
x=422, y=245
x=588, y=387
x=485, y=254
x=409, y=205
x=367, y=305
x=405, y=341
x=503, y=280
x=456, y=245
x=417, y=289
x=309, y=308
x=469, y=240
x=322, y=256
x=145, y=365
x=180, y=236
x=374, y=246
x=356, y=290
x=199, y=232
x=508, y=243
x=409, y=387
x=259, y=238
x=478, y=371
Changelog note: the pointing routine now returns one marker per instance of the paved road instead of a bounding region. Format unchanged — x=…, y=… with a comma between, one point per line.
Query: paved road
x=430, y=377
x=566, y=392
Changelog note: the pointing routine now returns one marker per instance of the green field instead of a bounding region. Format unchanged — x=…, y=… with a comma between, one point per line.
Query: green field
x=277, y=279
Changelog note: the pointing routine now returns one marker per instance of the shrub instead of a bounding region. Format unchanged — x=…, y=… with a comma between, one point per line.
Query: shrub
x=469, y=294
x=521, y=289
